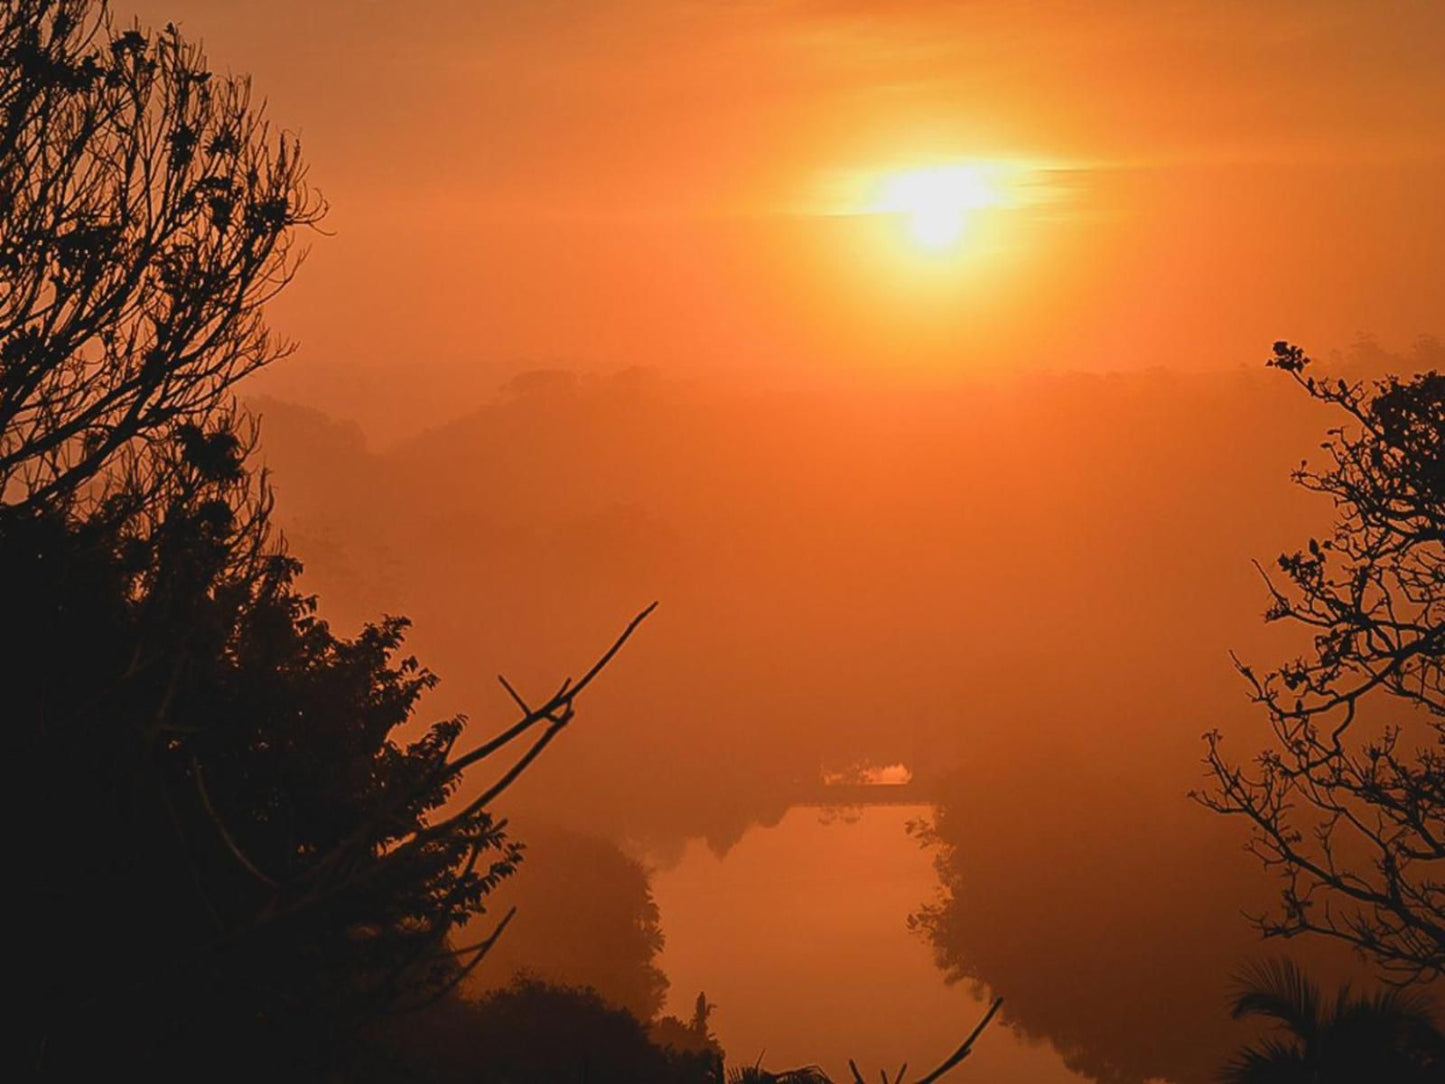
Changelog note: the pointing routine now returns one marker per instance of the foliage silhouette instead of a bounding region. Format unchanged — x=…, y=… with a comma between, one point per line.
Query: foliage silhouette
x=753, y=1074
x=695, y=1035
x=227, y=792
x=811, y=1074
x=1348, y=805
x=240, y=864
x=532, y=1032
x=1387, y=1037
x=147, y=213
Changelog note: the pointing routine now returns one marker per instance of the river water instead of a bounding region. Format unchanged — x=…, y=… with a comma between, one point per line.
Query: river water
x=798, y=935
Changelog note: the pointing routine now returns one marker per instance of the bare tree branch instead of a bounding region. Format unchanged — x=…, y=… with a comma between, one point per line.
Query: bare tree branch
x=1347, y=802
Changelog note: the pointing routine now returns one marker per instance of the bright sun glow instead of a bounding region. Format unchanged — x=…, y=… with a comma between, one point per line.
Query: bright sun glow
x=936, y=203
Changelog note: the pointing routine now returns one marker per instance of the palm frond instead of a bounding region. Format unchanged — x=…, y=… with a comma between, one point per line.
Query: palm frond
x=1278, y=990
x=1271, y=1062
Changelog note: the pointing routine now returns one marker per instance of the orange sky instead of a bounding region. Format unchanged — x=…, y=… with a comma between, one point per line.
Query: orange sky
x=854, y=561
x=609, y=184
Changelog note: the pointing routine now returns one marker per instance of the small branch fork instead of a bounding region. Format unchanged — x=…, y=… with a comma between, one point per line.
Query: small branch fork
x=346, y=868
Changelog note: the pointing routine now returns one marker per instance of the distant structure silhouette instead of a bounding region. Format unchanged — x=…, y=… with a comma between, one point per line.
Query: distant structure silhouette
x=917, y=790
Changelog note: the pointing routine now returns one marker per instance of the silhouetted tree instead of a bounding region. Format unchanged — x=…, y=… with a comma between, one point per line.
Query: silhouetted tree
x=230, y=863
x=1387, y=1037
x=233, y=848
x=702, y=1010
x=1348, y=802
x=147, y=213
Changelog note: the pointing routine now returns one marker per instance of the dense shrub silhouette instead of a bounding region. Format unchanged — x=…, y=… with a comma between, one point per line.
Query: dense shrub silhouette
x=237, y=865
x=233, y=854
x=532, y=1032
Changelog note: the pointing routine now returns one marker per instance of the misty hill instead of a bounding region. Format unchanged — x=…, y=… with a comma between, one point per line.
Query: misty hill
x=820, y=559
x=1031, y=584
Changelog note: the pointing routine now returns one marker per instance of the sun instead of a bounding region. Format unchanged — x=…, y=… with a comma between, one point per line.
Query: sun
x=919, y=226
x=935, y=204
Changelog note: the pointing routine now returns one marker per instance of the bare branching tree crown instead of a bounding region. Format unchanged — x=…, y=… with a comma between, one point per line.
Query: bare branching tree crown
x=148, y=211
x=1347, y=802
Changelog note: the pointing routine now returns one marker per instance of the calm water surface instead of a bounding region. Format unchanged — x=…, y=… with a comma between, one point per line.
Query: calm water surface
x=798, y=935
